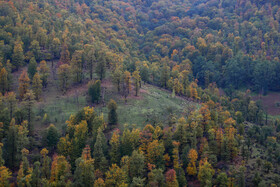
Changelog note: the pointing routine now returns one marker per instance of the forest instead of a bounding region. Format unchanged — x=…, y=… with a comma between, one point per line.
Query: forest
x=134, y=93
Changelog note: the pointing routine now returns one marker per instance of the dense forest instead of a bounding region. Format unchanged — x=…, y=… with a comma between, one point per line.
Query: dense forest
x=165, y=93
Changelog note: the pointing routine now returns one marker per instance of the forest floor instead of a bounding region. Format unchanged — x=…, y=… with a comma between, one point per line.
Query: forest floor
x=270, y=102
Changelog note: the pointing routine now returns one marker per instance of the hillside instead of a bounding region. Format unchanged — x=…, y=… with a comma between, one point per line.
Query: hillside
x=139, y=93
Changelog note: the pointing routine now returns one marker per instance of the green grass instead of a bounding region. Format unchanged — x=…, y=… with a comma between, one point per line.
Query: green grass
x=152, y=105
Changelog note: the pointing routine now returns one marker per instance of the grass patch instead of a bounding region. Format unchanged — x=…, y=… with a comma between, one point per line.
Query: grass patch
x=154, y=105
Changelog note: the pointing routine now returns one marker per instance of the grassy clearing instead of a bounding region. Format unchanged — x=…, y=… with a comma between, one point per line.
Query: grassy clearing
x=152, y=105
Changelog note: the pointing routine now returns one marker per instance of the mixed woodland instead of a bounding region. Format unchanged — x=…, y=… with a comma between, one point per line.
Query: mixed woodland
x=216, y=55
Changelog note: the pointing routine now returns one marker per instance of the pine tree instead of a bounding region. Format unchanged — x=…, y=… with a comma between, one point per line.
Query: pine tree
x=65, y=54
x=115, y=147
x=32, y=68
x=11, y=101
x=4, y=84
x=24, y=82
x=101, y=65
x=170, y=177
x=52, y=137
x=205, y=174
x=137, y=81
x=191, y=169
x=37, y=86
x=11, y=146
x=84, y=173
x=77, y=66
x=136, y=165
x=94, y=91
x=28, y=102
x=36, y=175
x=5, y=175
x=60, y=171
x=112, y=115
x=115, y=176
x=18, y=56
x=2, y=161
x=98, y=152
x=126, y=84
x=46, y=161
x=44, y=72
x=64, y=76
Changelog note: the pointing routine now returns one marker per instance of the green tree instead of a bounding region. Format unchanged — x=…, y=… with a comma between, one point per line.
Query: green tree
x=115, y=176
x=35, y=49
x=28, y=102
x=37, y=86
x=84, y=173
x=222, y=179
x=156, y=178
x=98, y=152
x=112, y=115
x=205, y=174
x=136, y=165
x=94, y=90
x=101, y=65
x=36, y=175
x=137, y=81
x=77, y=65
x=115, y=147
x=32, y=68
x=52, y=137
x=24, y=83
x=44, y=71
x=64, y=75
x=4, y=84
x=18, y=56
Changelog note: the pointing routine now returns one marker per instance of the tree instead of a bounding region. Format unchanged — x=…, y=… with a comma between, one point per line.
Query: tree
x=222, y=179
x=60, y=171
x=35, y=49
x=126, y=84
x=25, y=172
x=84, y=173
x=137, y=81
x=205, y=174
x=117, y=77
x=64, y=76
x=32, y=68
x=136, y=165
x=18, y=57
x=4, y=84
x=37, y=86
x=90, y=61
x=98, y=153
x=115, y=176
x=77, y=65
x=44, y=72
x=94, y=91
x=112, y=115
x=45, y=163
x=156, y=177
x=101, y=65
x=65, y=54
x=24, y=82
x=115, y=147
x=52, y=136
x=170, y=178
x=191, y=169
x=164, y=77
x=28, y=102
x=155, y=150
x=5, y=175
x=11, y=101
x=36, y=175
